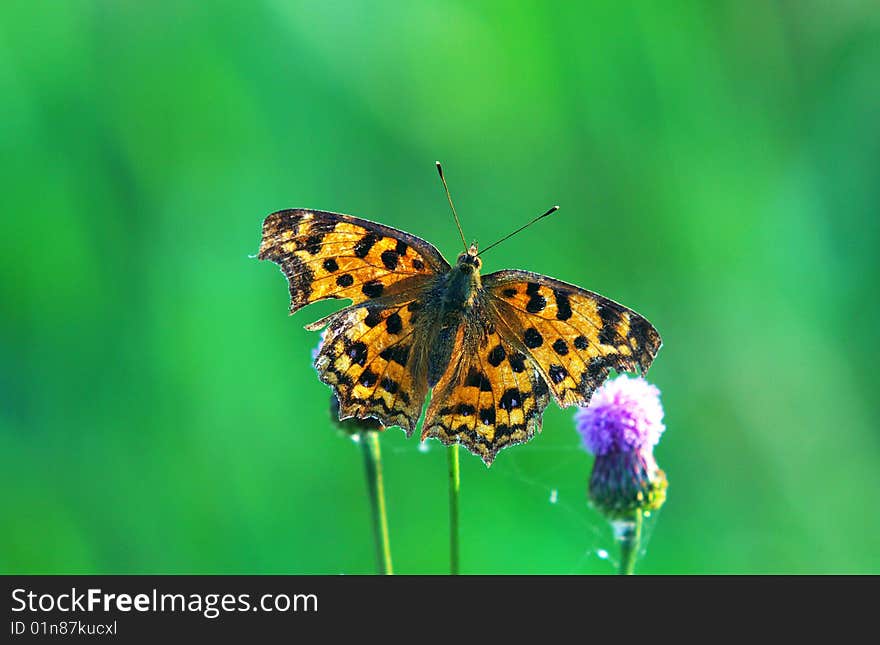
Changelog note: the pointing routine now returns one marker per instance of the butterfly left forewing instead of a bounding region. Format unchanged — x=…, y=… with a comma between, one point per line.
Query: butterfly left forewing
x=331, y=255
x=575, y=336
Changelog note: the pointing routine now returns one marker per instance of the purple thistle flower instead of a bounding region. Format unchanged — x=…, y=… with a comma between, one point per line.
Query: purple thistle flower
x=624, y=415
x=620, y=427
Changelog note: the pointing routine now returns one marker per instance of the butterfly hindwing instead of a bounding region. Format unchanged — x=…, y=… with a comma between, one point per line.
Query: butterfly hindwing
x=330, y=255
x=575, y=336
x=364, y=357
x=492, y=398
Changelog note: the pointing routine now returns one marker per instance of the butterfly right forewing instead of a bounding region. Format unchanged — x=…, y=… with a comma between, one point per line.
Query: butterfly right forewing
x=574, y=336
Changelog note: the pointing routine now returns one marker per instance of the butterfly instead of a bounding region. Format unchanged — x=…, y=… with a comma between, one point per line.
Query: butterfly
x=494, y=349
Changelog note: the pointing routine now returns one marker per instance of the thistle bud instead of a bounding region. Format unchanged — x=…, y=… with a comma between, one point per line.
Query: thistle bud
x=620, y=427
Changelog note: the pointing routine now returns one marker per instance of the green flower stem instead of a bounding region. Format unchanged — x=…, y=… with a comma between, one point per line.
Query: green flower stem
x=373, y=465
x=454, y=486
x=629, y=533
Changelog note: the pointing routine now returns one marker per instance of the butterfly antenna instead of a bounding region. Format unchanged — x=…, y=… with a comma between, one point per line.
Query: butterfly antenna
x=449, y=197
x=521, y=228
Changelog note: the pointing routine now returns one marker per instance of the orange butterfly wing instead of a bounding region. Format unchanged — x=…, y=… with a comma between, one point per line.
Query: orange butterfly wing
x=331, y=255
x=384, y=271
x=574, y=336
x=365, y=357
x=494, y=397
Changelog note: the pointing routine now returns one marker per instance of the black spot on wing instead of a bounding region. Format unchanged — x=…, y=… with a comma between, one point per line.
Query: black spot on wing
x=364, y=245
x=389, y=385
x=581, y=342
x=496, y=356
x=389, y=259
x=557, y=373
x=373, y=289
x=560, y=347
x=512, y=398
x=373, y=318
x=476, y=378
x=345, y=280
x=533, y=338
x=357, y=352
x=536, y=304
x=398, y=354
x=563, y=305
x=330, y=265
x=465, y=409
x=313, y=244
x=393, y=323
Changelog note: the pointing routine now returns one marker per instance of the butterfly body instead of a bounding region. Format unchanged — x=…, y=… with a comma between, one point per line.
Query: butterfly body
x=451, y=302
x=494, y=348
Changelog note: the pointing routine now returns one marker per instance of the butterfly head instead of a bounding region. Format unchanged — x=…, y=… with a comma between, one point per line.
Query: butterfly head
x=468, y=262
x=463, y=281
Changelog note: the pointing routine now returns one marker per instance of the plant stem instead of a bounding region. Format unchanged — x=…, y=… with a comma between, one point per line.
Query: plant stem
x=629, y=534
x=373, y=465
x=454, y=486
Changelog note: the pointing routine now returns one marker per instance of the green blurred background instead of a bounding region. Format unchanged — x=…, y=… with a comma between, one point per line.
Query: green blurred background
x=718, y=167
